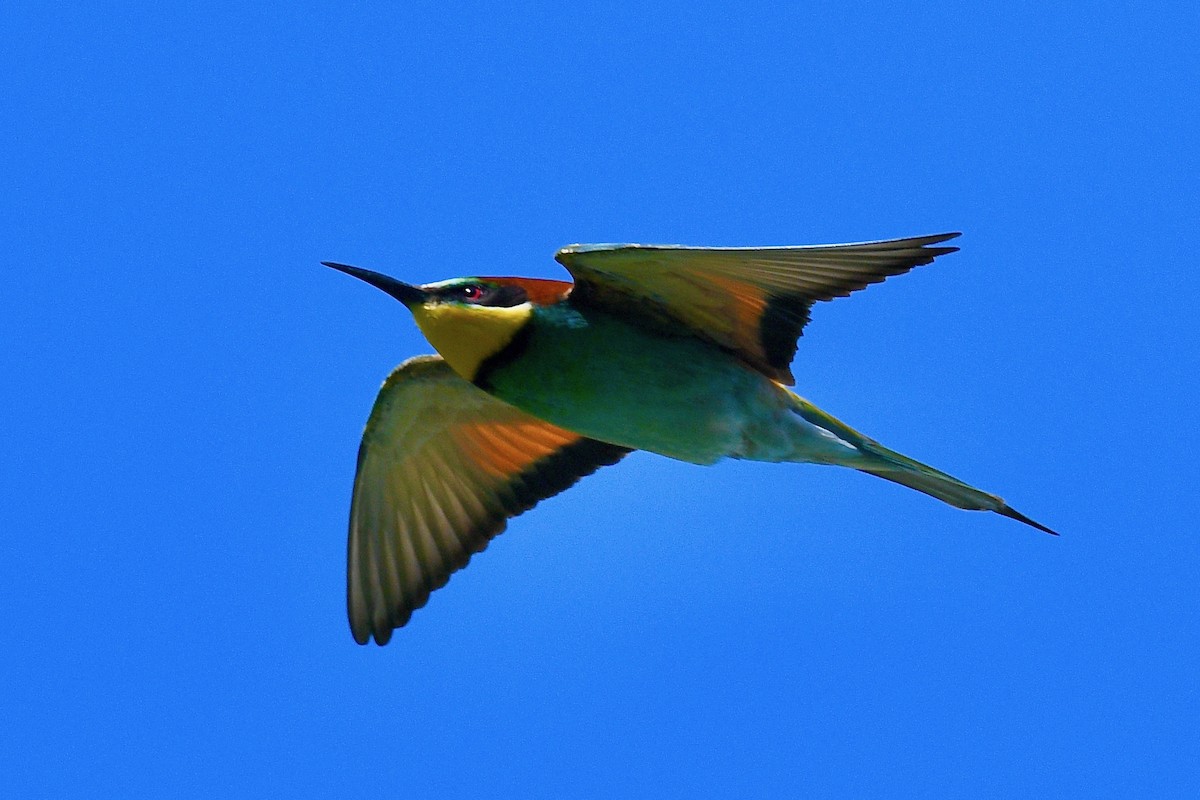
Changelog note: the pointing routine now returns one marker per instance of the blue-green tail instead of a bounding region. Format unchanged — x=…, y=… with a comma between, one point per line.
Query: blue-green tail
x=875, y=459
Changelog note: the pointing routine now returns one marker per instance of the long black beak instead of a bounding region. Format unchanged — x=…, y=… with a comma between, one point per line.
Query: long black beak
x=404, y=292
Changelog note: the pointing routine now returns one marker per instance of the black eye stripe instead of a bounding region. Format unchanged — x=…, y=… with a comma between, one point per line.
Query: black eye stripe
x=505, y=296
x=467, y=291
x=483, y=294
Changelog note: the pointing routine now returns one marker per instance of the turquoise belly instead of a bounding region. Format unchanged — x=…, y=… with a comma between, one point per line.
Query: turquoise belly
x=608, y=380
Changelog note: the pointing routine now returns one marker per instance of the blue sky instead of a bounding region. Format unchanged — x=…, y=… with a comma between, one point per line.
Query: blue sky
x=185, y=387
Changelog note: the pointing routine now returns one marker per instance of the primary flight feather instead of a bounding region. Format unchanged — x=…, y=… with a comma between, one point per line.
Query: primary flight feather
x=682, y=351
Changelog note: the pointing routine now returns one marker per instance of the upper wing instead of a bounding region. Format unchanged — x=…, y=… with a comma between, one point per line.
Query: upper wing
x=441, y=468
x=752, y=301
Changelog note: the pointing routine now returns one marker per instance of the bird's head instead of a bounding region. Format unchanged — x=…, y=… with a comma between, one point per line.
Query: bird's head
x=467, y=320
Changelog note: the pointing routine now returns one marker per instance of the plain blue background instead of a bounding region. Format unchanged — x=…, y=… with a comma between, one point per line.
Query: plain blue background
x=184, y=389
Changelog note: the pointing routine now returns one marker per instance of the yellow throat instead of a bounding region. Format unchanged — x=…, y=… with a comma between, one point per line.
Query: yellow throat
x=467, y=335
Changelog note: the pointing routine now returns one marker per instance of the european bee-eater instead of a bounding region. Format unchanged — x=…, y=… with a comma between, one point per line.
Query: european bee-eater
x=682, y=351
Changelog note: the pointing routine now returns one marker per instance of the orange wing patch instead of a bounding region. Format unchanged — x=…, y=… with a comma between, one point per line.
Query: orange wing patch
x=504, y=451
x=747, y=304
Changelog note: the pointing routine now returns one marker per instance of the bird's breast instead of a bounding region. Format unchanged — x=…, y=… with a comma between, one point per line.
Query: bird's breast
x=604, y=378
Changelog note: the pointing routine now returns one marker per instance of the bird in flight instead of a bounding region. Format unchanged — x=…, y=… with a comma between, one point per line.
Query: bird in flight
x=681, y=351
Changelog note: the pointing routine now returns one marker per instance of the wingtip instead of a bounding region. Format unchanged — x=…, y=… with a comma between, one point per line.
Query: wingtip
x=1012, y=513
x=364, y=635
x=928, y=243
x=942, y=237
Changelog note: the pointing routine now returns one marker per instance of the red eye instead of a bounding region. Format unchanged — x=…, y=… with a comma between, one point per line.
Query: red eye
x=472, y=292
